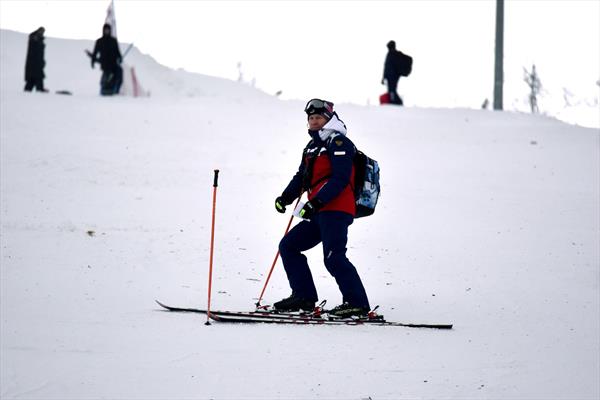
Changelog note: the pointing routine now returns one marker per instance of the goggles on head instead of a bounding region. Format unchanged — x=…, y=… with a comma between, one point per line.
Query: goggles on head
x=316, y=106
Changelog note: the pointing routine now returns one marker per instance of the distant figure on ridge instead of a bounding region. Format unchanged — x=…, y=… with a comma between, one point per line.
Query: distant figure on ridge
x=107, y=53
x=535, y=86
x=35, y=63
x=397, y=64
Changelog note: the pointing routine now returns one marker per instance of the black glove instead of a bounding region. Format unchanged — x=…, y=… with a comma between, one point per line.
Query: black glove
x=310, y=209
x=280, y=204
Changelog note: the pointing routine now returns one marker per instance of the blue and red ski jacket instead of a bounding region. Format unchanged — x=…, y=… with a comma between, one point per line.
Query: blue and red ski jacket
x=326, y=171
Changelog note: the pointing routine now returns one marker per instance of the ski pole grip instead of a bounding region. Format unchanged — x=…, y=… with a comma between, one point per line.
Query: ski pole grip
x=216, y=181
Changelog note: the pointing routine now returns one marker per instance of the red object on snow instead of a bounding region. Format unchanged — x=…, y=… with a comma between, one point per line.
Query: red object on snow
x=384, y=98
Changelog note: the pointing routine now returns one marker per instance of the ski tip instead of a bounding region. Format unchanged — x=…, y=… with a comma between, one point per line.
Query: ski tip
x=161, y=304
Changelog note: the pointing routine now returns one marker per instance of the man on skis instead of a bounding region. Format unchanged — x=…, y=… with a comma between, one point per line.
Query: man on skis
x=326, y=173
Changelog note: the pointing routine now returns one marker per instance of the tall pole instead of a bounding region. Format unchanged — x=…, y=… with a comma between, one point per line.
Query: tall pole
x=498, y=69
x=212, y=244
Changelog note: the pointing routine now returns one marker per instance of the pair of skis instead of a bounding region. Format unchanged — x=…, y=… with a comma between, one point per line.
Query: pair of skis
x=317, y=317
x=314, y=318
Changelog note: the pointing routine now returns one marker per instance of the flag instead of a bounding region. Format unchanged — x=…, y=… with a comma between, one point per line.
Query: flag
x=110, y=18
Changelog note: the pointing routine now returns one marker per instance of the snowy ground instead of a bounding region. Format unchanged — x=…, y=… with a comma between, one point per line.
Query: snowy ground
x=487, y=220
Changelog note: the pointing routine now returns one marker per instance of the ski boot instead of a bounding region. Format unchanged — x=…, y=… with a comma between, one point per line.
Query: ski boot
x=294, y=303
x=346, y=310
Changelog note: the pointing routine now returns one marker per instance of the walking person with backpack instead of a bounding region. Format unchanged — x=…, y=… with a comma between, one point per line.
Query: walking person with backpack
x=327, y=174
x=396, y=64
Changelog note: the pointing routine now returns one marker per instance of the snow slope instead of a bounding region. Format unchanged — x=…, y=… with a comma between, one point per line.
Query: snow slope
x=487, y=220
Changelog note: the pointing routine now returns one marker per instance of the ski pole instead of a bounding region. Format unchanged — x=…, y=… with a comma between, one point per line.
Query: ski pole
x=212, y=242
x=276, y=257
x=126, y=52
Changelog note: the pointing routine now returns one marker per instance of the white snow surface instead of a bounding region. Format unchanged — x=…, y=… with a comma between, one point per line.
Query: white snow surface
x=487, y=220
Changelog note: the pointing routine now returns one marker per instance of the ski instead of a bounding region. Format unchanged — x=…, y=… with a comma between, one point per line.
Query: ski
x=255, y=314
x=296, y=318
x=321, y=321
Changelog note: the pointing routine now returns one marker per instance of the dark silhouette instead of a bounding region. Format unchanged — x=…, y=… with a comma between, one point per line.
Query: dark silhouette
x=35, y=63
x=107, y=53
x=535, y=85
x=396, y=64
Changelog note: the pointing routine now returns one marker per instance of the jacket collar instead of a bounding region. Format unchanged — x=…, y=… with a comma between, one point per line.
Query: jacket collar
x=333, y=126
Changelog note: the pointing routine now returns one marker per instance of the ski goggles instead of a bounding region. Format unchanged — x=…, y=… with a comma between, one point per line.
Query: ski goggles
x=317, y=105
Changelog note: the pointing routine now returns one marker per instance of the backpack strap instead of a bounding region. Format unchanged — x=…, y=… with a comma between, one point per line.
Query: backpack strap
x=352, y=183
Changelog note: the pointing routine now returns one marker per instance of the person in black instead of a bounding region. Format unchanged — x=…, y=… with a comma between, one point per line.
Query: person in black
x=391, y=72
x=107, y=53
x=35, y=63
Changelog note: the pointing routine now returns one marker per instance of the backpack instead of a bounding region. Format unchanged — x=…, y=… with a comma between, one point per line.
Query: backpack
x=366, y=181
x=366, y=184
x=405, y=63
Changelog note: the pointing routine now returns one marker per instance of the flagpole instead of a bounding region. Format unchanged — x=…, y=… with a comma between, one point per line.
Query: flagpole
x=111, y=19
x=112, y=2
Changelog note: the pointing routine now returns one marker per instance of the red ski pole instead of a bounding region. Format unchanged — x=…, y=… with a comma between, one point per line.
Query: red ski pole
x=212, y=242
x=276, y=257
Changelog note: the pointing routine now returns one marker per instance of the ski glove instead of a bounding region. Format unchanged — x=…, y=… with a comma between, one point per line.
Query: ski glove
x=280, y=205
x=310, y=209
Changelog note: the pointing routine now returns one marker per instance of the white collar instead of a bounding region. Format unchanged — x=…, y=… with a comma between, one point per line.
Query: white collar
x=334, y=125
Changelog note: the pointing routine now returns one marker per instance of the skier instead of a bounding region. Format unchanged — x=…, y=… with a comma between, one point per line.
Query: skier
x=110, y=60
x=391, y=72
x=35, y=63
x=326, y=172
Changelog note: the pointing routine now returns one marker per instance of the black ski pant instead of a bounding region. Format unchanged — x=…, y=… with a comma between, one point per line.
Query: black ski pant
x=111, y=80
x=37, y=84
x=330, y=228
x=392, y=86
